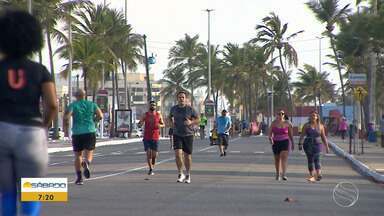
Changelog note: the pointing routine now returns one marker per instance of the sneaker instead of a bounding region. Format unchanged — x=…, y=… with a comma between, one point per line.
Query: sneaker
x=284, y=178
x=225, y=153
x=187, y=179
x=86, y=172
x=277, y=178
x=150, y=172
x=319, y=177
x=180, y=178
x=79, y=181
x=221, y=155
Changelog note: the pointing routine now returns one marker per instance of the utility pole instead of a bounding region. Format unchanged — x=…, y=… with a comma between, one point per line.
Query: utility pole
x=372, y=77
x=30, y=6
x=70, y=59
x=209, y=64
x=320, y=108
x=149, y=94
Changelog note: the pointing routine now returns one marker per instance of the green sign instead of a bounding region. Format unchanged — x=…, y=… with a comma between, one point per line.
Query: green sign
x=209, y=108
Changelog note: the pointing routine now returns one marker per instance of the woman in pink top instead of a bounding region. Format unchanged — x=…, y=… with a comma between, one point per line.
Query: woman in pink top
x=343, y=127
x=279, y=135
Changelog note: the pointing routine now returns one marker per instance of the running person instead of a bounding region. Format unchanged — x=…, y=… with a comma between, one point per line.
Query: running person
x=84, y=114
x=183, y=118
x=23, y=128
x=152, y=121
x=203, y=123
x=313, y=130
x=280, y=134
x=223, y=124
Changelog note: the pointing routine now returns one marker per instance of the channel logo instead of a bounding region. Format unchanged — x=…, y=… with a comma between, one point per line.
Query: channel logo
x=44, y=189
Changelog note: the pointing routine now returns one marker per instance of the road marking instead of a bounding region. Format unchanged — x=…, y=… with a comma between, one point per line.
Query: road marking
x=137, y=168
x=117, y=153
x=140, y=153
x=125, y=171
x=234, y=152
x=259, y=152
x=53, y=164
x=132, y=149
x=212, y=151
x=164, y=152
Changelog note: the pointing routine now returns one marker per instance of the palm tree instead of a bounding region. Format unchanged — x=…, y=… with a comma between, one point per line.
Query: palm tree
x=327, y=11
x=313, y=85
x=175, y=81
x=184, y=54
x=272, y=37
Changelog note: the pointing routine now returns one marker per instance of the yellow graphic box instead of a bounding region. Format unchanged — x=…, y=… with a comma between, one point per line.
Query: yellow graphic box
x=44, y=189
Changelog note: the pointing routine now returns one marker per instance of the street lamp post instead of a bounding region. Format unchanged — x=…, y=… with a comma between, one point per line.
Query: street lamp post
x=209, y=52
x=149, y=94
x=320, y=108
x=209, y=61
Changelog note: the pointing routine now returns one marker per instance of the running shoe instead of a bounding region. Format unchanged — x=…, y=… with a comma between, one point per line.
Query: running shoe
x=225, y=153
x=150, y=172
x=180, y=178
x=284, y=178
x=319, y=177
x=79, y=181
x=277, y=178
x=187, y=179
x=86, y=172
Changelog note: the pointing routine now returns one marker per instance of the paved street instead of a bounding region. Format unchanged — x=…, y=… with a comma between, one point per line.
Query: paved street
x=242, y=183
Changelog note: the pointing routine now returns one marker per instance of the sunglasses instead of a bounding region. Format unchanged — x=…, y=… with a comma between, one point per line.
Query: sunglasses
x=281, y=113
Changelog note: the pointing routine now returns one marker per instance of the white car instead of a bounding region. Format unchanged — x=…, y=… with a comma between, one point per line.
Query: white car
x=137, y=133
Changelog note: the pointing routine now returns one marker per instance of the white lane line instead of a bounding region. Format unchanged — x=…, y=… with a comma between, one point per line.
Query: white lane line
x=164, y=152
x=259, y=152
x=212, y=151
x=117, y=153
x=132, y=149
x=137, y=168
x=53, y=164
x=125, y=171
x=234, y=152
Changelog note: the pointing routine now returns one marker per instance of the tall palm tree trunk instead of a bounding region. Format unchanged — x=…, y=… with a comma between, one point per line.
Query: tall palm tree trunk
x=117, y=88
x=85, y=71
x=52, y=68
x=112, y=120
x=339, y=70
x=288, y=88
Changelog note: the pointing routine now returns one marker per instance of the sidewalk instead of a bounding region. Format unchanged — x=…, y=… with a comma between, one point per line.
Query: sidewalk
x=66, y=145
x=370, y=164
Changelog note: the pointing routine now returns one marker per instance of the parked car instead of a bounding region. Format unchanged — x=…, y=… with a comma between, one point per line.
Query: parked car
x=137, y=133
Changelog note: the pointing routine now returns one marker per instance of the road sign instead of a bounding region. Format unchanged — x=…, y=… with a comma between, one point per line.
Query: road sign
x=209, y=108
x=102, y=100
x=357, y=78
x=360, y=93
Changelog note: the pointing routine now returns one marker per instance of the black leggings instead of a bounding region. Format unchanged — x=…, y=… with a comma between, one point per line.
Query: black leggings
x=313, y=156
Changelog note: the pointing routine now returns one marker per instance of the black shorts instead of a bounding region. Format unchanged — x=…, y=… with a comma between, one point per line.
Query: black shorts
x=151, y=144
x=83, y=141
x=280, y=146
x=184, y=143
x=223, y=140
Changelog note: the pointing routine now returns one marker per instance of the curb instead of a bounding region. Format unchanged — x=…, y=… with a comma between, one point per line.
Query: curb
x=358, y=165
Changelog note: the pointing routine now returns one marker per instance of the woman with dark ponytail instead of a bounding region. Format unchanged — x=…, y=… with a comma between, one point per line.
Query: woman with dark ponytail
x=23, y=128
